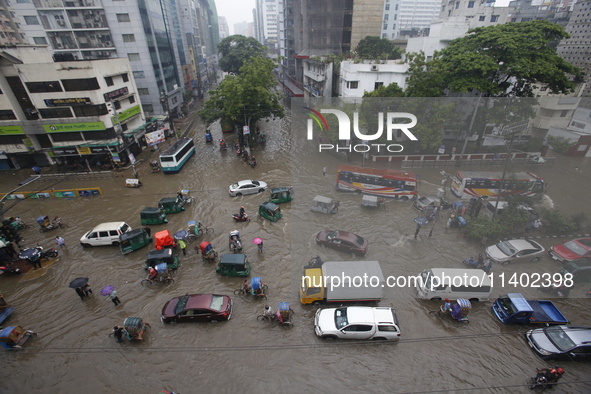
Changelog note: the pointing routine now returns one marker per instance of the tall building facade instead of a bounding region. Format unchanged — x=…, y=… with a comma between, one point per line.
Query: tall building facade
x=266, y=24
x=418, y=14
x=224, y=28
x=10, y=28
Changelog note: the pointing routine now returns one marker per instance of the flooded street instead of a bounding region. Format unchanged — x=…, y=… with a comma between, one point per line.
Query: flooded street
x=74, y=352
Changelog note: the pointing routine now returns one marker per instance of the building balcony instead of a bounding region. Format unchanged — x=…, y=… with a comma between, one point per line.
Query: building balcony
x=314, y=76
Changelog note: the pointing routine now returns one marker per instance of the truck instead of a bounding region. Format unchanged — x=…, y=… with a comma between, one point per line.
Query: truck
x=342, y=281
x=513, y=308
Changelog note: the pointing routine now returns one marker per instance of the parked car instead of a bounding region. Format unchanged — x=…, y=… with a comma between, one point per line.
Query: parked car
x=357, y=322
x=343, y=241
x=561, y=342
x=431, y=201
x=247, y=187
x=571, y=250
x=580, y=270
x=515, y=250
x=489, y=210
x=197, y=307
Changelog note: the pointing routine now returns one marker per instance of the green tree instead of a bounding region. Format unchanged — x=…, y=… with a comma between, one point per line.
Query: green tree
x=247, y=97
x=236, y=50
x=559, y=144
x=376, y=48
x=426, y=78
x=392, y=90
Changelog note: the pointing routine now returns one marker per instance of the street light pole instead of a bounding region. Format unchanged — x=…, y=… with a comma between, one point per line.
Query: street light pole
x=120, y=135
x=509, y=152
x=166, y=107
x=469, y=130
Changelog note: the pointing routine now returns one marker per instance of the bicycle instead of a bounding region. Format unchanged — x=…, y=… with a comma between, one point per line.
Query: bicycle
x=266, y=318
x=243, y=291
x=168, y=280
x=57, y=222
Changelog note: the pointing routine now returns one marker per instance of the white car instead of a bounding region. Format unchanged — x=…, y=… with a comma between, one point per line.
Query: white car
x=357, y=322
x=105, y=234
x=247, y=187
x=515, y=250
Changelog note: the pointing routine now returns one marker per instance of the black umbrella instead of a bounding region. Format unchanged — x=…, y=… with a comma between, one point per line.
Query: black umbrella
x=78, y=282
x=31, y=254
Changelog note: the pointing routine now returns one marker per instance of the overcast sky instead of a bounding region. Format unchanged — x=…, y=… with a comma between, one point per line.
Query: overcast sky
x=235, y=11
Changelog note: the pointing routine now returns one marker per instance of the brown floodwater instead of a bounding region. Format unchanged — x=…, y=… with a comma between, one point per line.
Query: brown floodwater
x=74, y=352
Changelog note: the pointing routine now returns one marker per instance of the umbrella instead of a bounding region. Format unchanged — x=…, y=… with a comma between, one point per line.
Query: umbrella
x=78, y=282
x=30, y=254
x=257, y=241
x=421, y=220
x=182, y=234
x=107, y=290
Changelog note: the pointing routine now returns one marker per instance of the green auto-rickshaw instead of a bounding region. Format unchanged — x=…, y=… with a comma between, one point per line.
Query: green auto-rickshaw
x=165, y=255
x=152, y=216
x=281, y=194
x=235, y=264
x=270, y=211
x=133, y=240
x=171, y=205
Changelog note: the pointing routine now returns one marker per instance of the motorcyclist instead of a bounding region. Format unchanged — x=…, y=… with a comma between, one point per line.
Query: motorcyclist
x=486, y=265
x=242, y=213
x=180, y=196
x=552, y=375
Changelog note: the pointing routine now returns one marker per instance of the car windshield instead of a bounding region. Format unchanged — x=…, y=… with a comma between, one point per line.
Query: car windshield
x=559, y=338
x=331, y=235
x=234, y=186
x=124, y=228
x=340, y=318
x=507, y=305
x=181, y=304
x=507, y=248
x=256, y=183
x=425, y=200
x=575, y=248
x=359, y=241
x=216, y=303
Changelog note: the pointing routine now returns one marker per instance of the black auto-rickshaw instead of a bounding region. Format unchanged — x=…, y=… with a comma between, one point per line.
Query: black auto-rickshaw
x=171, y=205
x=133, y=240
x=280, y=195
x=270, y=211
x=151, y=215
x=233, y=265
x=166, y=255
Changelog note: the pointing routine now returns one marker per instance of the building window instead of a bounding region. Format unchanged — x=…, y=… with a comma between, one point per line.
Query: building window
x=395, y=16
x=442, y=8
x=563, y=113
x=387, y=7
x=40, y=40
x=386, y=17
x=44, y=87
x=457, y=5
x=396, y=8
x=377, y=85
x=138, y=74
x=384, y=35
x=7, y=114
x=131, y=100
x=31, y=20
x=117, y=104
x=481, y=18
x=64, y=137
x=91, y=110
x=470, y=4
x=133, y=56
x=22, y=1
x=494, y=18
x=352, y=84
x=143, y=91
x=51, y=113
x=385, y=26
x=125, y=77
x=148, y=108
x=123, y=18
x=109, y=81
x=543, y=88
x=73, y=85
x=128, y=38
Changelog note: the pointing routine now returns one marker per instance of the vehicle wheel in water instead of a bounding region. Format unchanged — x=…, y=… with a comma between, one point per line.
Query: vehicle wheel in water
x=535, y=259
x=262, y=318
x=506, y=263
x=146, y=282
x=329, y=337
x=238, y=194
x=86, y=245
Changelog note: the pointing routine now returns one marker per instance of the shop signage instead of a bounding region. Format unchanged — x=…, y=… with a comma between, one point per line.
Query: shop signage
x=67, y=102
x=73, y=127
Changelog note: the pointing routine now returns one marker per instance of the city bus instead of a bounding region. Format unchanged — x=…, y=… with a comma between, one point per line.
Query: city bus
x=175, y=157
x=383, y=183
x=468, y=184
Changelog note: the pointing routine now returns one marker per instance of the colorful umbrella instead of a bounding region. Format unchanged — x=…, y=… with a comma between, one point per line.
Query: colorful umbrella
x=257, y=241
x=107, y=290
x=78, y=282
x=421, y=220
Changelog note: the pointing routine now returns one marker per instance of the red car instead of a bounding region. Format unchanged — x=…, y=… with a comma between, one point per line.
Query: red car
x=571, y=250
x=343, y=241
x=197, y=307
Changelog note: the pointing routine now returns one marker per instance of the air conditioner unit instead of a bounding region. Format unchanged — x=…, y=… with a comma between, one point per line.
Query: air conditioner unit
x=61, y=23
x=374, y=67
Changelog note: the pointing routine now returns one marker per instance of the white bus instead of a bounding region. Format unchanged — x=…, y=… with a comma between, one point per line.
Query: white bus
x=175, y=157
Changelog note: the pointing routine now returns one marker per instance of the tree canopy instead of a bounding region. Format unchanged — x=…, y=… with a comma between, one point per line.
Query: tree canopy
x=247, y=97
x=375, y=48
x=501, y=60
x=236, y=50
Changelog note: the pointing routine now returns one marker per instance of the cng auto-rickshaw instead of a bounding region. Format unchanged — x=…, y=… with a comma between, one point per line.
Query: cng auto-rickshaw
x=281, y=194
x=324, y=205
x=156, y=257
x=171, y=205
x=133, y=240
x=233, y=265
x=14, y=337
x=270, y=211
x=151, y=215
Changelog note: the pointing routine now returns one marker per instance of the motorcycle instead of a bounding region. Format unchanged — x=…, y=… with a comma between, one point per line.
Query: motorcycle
x=238, y=218
x=49, y=253
x=222, y=144
x=253, y=163
x=10, y=270
x=546, y=378
x=473, y=263
x=208, y=138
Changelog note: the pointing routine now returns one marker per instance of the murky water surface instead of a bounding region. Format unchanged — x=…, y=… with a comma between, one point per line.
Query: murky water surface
x=74, y=352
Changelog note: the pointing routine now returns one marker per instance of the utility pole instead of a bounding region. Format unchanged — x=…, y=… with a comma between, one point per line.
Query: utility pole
x=120, y=135
x=469, y=130
x=166, y=107
x=509, y=152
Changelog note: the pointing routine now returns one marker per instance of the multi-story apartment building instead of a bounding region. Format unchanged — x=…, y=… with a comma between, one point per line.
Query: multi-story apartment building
x=224, y=28
x=10, y=28
x=266, y=24
x=416, y=14
x=70, y=110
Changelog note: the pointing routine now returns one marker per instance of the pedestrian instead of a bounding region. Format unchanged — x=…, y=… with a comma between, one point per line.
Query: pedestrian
x=183, y=246
x=324, y=171
x=291, y=191
x=87, y=290
x=118, y=333
x=80, y=293
x=36, y=262
x=148, y=230
x=536, y=224
x=448, y=224
x=417, y=230
x=114, y=298
x=60, y=241
x=484, y=241
x=260, y=246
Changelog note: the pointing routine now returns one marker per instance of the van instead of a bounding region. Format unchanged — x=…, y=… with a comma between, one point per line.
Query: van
x=453, y=283
x=105, y=234
x=489, y=209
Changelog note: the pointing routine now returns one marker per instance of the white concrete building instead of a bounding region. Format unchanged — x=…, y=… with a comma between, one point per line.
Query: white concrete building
x=358, y=78
x=391, y=25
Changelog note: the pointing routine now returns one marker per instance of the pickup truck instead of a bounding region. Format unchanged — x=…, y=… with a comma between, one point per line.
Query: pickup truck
x=513, y=308
x=342, y=281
